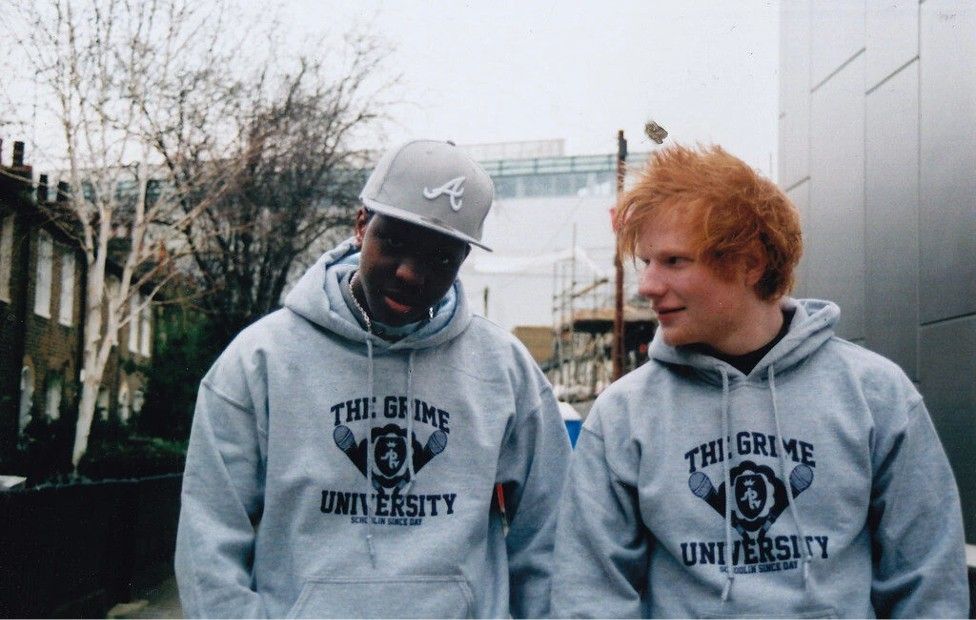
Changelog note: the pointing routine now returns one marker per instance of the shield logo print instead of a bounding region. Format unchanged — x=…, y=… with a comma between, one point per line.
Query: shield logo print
x=750, y=495
x=390, y=453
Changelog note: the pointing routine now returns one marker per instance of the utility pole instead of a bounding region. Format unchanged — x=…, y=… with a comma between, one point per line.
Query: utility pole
x=574, y=362
x=617, y=349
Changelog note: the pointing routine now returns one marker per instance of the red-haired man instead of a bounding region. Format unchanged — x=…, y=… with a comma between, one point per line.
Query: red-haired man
x=757, y=464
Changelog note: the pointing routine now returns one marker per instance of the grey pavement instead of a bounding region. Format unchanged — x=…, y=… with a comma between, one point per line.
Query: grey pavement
x=163, y=601
x=158, y=601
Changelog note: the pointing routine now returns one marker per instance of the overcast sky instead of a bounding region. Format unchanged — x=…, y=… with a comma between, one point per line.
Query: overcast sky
x=505, y=70
x=479, y=72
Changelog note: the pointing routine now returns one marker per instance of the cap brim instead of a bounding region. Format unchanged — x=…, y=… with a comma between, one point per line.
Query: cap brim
x=413, y=218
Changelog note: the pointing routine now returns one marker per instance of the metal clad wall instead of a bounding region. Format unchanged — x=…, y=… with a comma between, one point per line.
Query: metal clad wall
x=891, y=218
x=947, y=361
x=835, y=232
x=837, y=31
x=794, y=121
x=889, y=210
x=891, y=39
x=947, y=234
x=800, y=195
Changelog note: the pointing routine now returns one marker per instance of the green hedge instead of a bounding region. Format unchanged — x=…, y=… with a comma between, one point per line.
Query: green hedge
x=132, y=457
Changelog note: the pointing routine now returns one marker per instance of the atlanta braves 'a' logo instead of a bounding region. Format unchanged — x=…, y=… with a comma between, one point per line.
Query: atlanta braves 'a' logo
x=453, y=189
x=388, y=457
x=759, y=496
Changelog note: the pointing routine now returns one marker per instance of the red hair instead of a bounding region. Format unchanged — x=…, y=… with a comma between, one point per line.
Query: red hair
x=735, y=213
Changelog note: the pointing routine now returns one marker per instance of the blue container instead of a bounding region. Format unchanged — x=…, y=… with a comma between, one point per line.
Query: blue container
x=573, y=428
x=572, y=420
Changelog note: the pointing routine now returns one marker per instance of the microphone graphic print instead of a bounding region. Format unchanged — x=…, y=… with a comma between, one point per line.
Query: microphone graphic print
x=800, y=480
x=764, y=498
x=391, y=441
x=434, y=446
x=346, y=442
x=702, y=487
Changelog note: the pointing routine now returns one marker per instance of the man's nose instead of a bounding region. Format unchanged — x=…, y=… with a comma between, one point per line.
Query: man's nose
x=651, y=285
x=411, y=270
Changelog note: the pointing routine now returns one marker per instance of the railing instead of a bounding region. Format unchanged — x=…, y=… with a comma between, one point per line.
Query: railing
x=557, y=165
x=76, y=550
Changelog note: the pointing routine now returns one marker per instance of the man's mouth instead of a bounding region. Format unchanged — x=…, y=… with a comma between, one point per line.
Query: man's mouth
x=398, y=307
x=665, y=311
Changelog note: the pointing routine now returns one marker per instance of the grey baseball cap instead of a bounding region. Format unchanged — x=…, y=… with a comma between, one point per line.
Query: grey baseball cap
x=432, y=184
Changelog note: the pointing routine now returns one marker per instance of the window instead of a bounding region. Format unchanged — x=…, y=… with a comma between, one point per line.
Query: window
x=52, y=398
x=42, y=280
x=138, y=400
x=145, y=331
x=66, y=305
x=154, y=188
x=124, y=409
x=88, y=191
x=134, y=302
x=6, y=255
x=26, y=397
x=101, y=403
x=126, y=190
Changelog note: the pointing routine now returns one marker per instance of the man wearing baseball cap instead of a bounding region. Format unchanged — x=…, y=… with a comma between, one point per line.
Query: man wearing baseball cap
x=345, y=449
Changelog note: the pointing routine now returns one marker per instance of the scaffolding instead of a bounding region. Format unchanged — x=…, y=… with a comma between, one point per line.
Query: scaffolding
x=583, y=308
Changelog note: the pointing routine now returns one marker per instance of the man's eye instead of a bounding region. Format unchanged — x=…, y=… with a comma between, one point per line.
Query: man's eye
x=675, y=260
x=445, y=260
x=393, y=243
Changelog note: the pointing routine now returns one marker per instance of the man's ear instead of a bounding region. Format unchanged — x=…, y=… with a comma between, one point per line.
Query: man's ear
x=753, y=267
x=361, y=221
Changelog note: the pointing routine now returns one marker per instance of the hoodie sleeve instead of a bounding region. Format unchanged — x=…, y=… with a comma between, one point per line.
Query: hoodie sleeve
x=601, y=545
x=221, y=500
x=532, y=469
x=916, y=524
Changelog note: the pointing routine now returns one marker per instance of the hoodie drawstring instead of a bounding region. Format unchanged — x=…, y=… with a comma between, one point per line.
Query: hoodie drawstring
x=729, y=569
x=369, y=448
x=410, y=415
x=808, y=556
x=794, y=511
x=369, y=443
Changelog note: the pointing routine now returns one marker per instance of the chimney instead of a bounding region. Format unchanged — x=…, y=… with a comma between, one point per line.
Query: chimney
x=42, y=189
x=63, y=190
x=18, y=154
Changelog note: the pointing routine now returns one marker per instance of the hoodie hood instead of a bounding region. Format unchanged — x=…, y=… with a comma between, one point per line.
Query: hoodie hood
x=317, y=297
x=812, y=326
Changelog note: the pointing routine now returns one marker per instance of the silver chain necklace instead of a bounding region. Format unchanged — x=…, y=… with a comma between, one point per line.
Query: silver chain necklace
x=369, y=324
x=362, y=311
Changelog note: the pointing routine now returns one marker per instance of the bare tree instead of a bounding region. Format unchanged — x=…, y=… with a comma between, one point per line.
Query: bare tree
x=96, y=63
x=299, y=178
x=249, y=168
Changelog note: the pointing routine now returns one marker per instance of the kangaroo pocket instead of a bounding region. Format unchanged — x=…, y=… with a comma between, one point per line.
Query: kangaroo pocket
x=417, y=596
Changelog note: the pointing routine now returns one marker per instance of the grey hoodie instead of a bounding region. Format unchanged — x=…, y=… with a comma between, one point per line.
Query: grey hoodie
x=297, y=503
x=844, y=503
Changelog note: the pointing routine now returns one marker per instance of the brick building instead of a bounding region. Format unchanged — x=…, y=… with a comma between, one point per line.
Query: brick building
x=42, y=306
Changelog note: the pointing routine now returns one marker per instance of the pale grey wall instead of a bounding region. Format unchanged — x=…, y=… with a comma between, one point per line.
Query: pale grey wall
x=877, y=148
